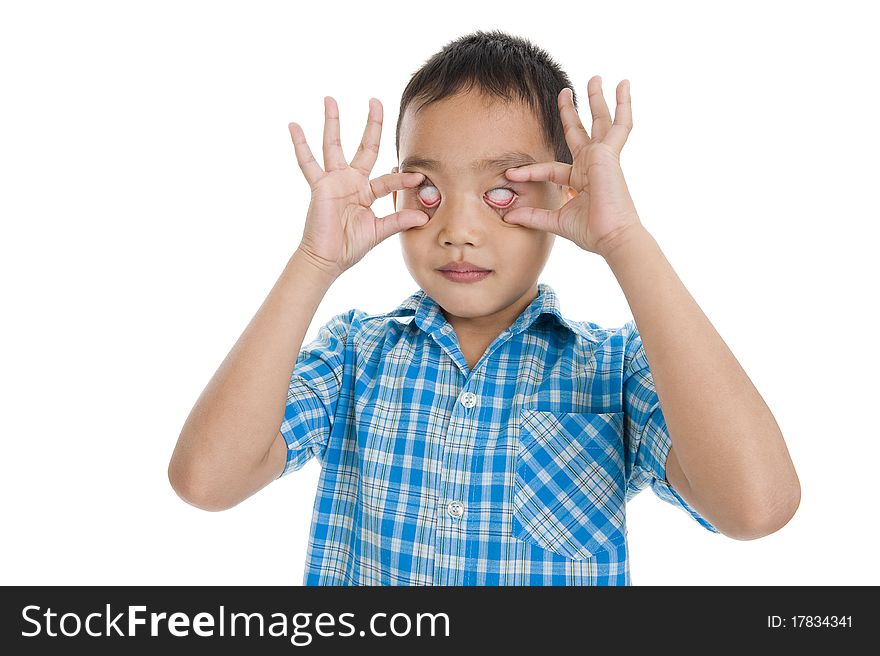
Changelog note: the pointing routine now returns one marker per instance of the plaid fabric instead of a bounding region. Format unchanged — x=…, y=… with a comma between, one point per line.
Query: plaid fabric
x=514, y=473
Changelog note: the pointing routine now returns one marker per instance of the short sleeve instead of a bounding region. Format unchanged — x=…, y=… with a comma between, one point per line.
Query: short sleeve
x=646, y=436
x=313, y=392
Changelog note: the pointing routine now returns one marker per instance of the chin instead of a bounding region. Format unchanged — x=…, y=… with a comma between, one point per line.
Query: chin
x=462, y=303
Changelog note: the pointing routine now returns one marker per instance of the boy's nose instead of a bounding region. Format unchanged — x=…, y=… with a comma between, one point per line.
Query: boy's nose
x=461, y=221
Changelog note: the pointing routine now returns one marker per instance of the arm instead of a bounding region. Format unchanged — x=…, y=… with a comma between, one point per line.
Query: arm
x=728, y=459
x=229, y=447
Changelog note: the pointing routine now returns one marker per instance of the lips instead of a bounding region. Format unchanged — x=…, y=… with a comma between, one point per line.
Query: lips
x=462, y=267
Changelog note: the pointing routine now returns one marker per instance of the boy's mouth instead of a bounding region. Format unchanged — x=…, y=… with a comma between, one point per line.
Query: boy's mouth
x=463, y=267
x=463, y=272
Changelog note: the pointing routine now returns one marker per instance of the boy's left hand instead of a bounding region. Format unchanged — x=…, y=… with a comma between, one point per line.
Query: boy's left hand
x=602, y=210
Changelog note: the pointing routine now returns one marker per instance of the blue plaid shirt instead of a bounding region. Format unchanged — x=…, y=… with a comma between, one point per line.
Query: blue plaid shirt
x=516, y=472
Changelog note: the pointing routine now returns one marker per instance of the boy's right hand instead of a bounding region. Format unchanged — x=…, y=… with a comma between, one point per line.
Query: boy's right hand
x=340, y=226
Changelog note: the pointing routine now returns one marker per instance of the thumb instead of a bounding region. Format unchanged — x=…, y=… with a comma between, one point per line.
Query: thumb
x=536, y=218
x=398, y=222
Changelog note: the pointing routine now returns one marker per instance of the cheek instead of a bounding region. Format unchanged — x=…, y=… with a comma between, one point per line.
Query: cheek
x=415, y=242
x=411, y=248
x=528, y=248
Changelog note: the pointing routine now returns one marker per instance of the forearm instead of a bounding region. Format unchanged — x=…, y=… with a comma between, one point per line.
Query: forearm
x=233, y=424
x=726, y=441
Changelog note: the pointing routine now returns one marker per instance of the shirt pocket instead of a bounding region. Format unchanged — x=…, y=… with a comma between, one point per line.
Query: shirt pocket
x=569, y=495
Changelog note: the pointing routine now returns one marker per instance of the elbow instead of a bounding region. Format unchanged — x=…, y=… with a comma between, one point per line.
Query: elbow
x=770, y=515
x=186, y=487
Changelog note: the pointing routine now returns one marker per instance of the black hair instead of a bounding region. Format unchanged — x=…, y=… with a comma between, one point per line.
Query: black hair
x=498, y=64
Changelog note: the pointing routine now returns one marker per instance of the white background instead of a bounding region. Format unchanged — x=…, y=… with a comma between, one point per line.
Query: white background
x=150, y=198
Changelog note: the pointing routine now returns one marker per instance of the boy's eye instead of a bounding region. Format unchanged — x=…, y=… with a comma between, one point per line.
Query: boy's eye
x=428, y=194
x=502, y=197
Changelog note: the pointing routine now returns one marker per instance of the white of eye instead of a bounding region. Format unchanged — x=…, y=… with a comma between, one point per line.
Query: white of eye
x=503, y=200
x=430, y=199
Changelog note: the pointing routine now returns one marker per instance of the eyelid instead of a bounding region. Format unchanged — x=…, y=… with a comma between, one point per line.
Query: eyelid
x=502, y=179
x=502, y=185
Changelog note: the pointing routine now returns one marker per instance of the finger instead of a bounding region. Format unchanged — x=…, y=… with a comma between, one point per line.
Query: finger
x=623, y=122
x=334, y=158
x=598, y=108
x=536, y=218
x=307, y=162
x=368, y=150
x=558, y=172
x=399, y=221
x=385, y=184
x=575, y=133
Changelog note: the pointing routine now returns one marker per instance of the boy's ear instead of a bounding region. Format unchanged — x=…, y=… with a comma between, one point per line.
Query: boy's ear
x=394, y=193
x=571, y=192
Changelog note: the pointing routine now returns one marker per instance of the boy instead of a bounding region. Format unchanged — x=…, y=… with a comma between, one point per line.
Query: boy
x=474, y=436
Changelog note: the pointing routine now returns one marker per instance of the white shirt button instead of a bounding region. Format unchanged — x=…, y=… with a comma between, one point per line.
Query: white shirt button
x=455, y=508
x=469, y=399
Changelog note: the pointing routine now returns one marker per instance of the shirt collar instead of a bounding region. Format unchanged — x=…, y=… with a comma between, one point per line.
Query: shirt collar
x=428, y=317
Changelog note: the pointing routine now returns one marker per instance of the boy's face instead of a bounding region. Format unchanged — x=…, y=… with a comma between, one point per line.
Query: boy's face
x=465, y=203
